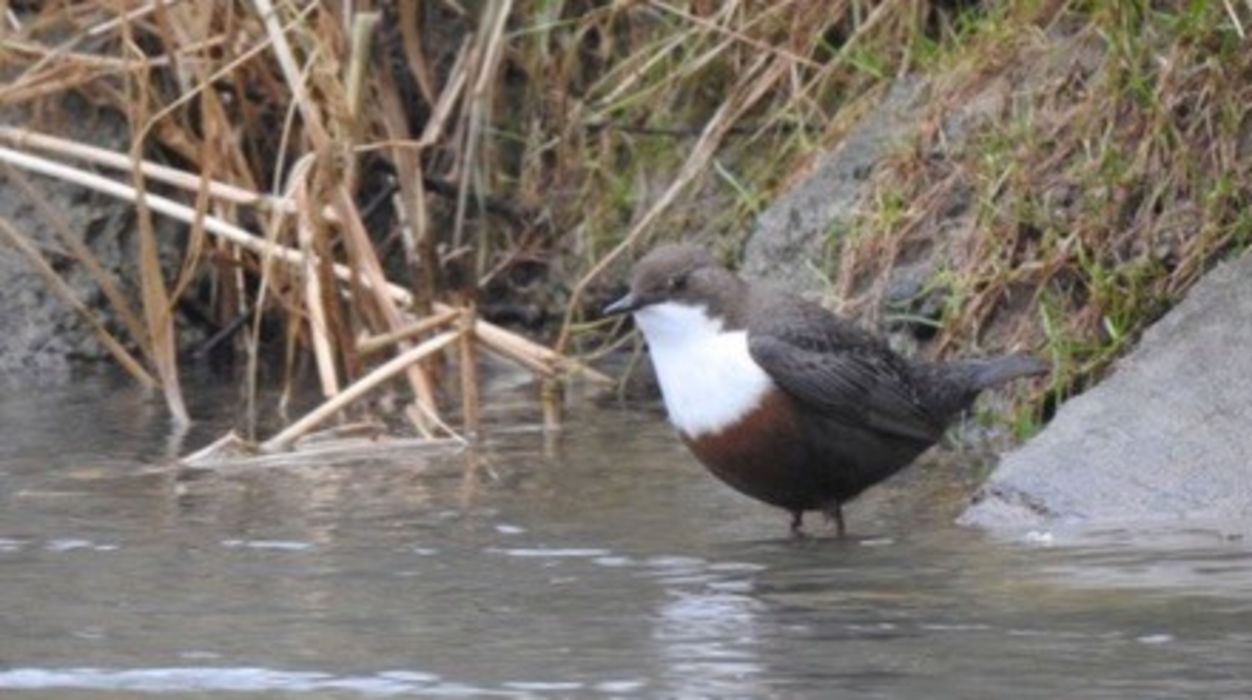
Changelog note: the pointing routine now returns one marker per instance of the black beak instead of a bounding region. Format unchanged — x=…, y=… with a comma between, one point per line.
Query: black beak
x=624, y=305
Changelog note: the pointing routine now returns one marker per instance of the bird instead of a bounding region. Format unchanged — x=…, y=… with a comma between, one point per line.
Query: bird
x=783, y=400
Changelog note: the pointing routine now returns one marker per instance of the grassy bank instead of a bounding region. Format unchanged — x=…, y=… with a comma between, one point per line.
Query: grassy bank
x=1102, y=166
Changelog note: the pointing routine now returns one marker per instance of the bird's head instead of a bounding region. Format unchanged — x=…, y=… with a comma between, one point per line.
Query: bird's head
x=675, y=284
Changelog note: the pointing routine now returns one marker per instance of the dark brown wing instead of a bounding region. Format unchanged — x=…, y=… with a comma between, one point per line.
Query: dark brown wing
x=836, y=369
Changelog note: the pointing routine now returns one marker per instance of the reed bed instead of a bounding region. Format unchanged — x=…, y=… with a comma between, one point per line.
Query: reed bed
x=250, y=121
x=366, y=174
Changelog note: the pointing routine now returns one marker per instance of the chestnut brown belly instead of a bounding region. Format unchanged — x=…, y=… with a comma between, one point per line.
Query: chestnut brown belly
x=783, y=457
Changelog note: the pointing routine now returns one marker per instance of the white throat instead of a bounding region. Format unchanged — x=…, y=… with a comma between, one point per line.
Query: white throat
x=707, y=377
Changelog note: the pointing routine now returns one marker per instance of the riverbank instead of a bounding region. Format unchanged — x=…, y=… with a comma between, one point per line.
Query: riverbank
x=968, y=179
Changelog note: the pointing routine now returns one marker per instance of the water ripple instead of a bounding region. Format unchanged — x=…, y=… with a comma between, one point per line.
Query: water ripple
x=235, y=679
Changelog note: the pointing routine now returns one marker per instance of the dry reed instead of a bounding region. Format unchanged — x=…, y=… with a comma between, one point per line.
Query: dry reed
x=178, y=74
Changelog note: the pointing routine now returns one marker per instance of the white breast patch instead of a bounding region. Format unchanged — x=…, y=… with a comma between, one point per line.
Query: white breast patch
x=707, y=377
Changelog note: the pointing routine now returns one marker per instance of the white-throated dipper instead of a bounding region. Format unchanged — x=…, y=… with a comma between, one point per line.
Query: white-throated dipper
x=782, y=399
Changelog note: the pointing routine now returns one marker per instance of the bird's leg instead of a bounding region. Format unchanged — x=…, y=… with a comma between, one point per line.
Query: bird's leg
x=797, y=523
x=835, y=513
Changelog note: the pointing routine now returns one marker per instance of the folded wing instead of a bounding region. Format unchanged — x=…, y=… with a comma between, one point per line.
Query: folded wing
x=840, y=371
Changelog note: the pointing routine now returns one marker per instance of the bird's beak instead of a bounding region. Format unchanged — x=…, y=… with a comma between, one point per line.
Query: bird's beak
x=625, y=305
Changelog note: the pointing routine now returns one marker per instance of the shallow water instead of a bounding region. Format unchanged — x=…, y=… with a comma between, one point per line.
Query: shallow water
x=599, y=562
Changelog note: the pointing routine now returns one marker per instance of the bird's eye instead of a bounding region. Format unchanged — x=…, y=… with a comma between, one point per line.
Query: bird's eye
x=677, y=283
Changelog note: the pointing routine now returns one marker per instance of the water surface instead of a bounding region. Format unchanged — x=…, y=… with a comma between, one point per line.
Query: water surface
x=598, y=562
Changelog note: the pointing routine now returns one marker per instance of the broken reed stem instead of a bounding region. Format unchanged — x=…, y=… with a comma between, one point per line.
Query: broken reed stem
x=132, y=366
x=182, y=179
x=158, y=309
x=542, y=360
x=135, y=14
x=361, y=39
x=470, y=405
x=359, y=388
x=319, y=329
x=354, y=78
x=411, y=39
x=374, y=280
x=551, y=400
x=291, y=72
x=485, y=57
x=374, y=343
x=412, y=206
x=87, y=60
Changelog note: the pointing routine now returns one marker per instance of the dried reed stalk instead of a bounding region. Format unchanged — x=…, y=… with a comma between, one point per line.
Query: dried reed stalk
x=158, y=310
x=413, y=54
x=359, y=388
x=27, y=139
x=131, y=16
x=231, y=453
x=413, y=208
x=471, y=411
x=363, y=24
x=486, y=53
x=314, y=301
x=374, y=343
x=534, y=356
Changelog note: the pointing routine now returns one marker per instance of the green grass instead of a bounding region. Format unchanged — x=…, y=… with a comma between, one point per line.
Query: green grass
x=1102, y=186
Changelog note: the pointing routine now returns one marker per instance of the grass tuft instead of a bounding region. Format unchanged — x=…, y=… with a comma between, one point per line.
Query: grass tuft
x=1091, y=161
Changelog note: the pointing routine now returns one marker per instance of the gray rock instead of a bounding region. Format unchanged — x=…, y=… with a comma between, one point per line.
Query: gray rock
x=39, y=333
x=787, y=247
x=1166, y=438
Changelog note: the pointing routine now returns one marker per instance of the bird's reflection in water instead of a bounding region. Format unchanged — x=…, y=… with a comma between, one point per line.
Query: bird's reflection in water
x=707, y=627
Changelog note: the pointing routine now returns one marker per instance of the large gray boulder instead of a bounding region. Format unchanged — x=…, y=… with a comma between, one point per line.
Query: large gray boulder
x=1166, y=438
x=789, y=243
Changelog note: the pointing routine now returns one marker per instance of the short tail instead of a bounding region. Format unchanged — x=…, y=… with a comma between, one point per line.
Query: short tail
x=986, y=373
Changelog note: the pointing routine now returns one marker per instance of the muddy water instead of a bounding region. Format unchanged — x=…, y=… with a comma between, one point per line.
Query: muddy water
x=601, y=562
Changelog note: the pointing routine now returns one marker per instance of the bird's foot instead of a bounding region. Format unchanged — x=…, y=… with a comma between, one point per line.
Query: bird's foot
x=797, y=524
x=834, y=514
